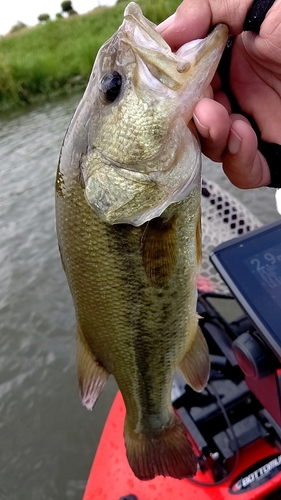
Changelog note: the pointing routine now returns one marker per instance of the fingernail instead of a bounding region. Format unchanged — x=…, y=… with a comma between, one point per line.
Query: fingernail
x=204, y=131
x=234, y=142
x=166, y=24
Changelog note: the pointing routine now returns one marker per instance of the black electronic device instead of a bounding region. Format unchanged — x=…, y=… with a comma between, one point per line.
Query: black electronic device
x=251, y=267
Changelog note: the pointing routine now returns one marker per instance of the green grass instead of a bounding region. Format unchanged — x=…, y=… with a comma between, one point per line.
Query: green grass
x=49, y=58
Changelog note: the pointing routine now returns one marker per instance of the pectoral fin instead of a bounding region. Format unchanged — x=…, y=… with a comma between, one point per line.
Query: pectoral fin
x=92, y=376
x=195, y=365
x=159, y=249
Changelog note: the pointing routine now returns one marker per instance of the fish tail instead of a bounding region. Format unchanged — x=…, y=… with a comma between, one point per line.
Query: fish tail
x=167, y=453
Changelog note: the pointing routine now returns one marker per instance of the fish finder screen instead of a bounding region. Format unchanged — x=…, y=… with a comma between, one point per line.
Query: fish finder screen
x=251, y=266
x=266, y=268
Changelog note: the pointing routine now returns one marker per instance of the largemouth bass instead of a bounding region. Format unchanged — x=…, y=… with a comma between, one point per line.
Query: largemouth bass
x=128, y=224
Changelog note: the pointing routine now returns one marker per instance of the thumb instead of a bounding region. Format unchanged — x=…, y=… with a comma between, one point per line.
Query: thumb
x=193, y=18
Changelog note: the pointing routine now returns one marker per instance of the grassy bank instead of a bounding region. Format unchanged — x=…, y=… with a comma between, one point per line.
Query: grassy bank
x=49, y=58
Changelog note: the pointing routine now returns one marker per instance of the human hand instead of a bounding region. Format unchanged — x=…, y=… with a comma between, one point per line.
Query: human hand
x=255, y=80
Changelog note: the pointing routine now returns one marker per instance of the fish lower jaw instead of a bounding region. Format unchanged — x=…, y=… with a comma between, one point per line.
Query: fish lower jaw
x=122, y=196
x=136, y=210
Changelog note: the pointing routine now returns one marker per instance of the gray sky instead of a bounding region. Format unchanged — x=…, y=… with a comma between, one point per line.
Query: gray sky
x=27, y=11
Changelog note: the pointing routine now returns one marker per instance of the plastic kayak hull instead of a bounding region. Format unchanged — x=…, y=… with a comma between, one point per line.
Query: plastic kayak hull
x=112, y=479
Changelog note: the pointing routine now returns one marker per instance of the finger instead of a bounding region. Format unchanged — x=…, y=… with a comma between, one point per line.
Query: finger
x=244, y=165
x=222, y=98
x=213, y=124
x=192, y=19
x=188, y=23
x=256, y=83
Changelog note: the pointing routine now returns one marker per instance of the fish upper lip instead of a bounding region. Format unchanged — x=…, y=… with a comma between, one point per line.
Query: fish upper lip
x=177, y=61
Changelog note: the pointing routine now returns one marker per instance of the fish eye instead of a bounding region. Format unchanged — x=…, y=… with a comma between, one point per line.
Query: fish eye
x=110, y=86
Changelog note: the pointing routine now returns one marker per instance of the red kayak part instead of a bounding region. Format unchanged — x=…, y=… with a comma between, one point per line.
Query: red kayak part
x=205, y=284
x=112, y=479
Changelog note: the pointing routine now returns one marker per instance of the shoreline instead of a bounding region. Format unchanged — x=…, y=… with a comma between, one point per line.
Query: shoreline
x=54, y=58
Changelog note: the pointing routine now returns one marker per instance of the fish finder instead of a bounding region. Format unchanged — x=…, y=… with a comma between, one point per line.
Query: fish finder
x=251, y=267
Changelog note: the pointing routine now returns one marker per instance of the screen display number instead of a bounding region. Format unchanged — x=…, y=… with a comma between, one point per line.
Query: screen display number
x=268, y=257
x=266, y=267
